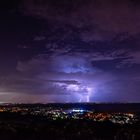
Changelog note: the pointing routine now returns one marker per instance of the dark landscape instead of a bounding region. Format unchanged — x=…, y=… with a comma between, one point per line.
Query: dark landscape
x=70, y=121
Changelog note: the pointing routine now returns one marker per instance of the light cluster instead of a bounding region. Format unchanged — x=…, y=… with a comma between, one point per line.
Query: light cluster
x=74, y=113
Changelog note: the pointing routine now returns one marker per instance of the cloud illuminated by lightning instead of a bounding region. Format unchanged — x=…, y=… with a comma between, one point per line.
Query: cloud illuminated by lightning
x=80, y=90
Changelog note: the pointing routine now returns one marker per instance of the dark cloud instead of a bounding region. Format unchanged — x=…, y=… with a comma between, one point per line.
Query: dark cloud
x=105, y=19
x=60, y=51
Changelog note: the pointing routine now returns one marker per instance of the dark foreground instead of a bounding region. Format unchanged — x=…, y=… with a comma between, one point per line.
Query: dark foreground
x=35, y=129
x=20, y=124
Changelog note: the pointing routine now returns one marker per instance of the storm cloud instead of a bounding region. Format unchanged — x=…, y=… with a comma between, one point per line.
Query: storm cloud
x=54, y=46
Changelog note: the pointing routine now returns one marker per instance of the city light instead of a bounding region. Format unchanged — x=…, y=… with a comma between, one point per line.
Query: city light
x=51, y=113
x=78, y=110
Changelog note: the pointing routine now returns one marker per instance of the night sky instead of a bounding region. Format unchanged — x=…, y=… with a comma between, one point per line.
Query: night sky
x=69, y=51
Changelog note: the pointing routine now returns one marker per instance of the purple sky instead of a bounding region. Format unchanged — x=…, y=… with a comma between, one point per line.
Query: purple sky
x=69, y=51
